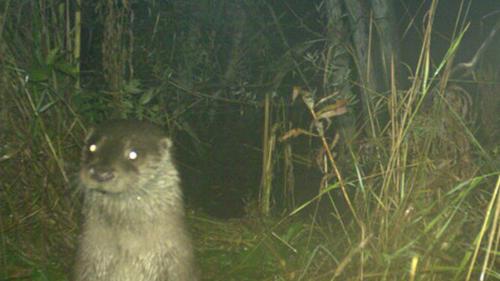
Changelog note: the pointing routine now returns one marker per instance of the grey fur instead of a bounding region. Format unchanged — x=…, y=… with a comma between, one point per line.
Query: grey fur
x=133, y=226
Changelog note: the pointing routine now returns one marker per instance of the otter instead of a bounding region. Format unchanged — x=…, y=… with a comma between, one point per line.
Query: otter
x=133, y=212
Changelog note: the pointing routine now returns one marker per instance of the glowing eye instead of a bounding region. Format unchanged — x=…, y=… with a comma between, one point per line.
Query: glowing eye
x=92, y=148
x=132, y=155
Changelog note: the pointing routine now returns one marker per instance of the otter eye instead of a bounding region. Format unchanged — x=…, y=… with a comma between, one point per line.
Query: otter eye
x=132, y=155
x=92, y=148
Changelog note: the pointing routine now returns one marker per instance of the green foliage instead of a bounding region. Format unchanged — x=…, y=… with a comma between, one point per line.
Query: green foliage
x=23, y=268
x=420, y=187
x=53, y=63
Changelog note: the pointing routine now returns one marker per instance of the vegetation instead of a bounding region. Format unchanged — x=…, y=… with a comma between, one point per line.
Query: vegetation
x=404, y=155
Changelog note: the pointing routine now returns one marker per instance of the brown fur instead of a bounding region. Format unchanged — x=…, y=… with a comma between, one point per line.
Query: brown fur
x=133, y=226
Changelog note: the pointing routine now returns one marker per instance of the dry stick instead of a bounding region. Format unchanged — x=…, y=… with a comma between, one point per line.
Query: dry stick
x=337, y=173
x=348, y=258
x=413, y=267
x=407, y=116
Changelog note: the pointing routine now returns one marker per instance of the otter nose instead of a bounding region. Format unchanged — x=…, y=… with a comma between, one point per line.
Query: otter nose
x=101, y=174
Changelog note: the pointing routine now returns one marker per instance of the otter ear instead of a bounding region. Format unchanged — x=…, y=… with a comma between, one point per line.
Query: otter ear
x=165, y=143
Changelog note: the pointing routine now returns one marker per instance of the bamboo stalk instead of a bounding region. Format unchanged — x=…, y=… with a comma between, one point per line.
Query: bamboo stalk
x=78, y=29
x=265, y=186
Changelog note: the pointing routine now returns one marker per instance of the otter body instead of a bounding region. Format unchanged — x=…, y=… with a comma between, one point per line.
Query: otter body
x=133, y=210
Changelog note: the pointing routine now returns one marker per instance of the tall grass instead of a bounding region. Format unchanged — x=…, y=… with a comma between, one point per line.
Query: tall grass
x=422, y=193
x=423, y=203
x=38, y=132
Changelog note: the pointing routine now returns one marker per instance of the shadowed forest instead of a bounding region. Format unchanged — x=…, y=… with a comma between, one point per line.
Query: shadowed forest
x=316, y=139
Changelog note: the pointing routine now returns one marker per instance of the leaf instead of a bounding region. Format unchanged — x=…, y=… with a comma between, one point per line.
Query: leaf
x=39, y=73
x=319, y=127
x=46, y=106
x=133, y=87
x=293, y=230
x=296, y=92
x=67, y=68
x=51, y=57
x=293, y=133
x=307, y=97
x=336, y=109
x=147, y=96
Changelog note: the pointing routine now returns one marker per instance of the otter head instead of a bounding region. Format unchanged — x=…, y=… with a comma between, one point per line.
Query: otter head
x=120, y=157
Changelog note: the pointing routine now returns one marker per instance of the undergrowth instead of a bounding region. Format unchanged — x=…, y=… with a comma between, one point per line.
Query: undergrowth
x=422, y=193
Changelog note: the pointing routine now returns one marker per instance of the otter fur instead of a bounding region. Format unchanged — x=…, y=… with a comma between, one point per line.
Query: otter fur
x=133, y=212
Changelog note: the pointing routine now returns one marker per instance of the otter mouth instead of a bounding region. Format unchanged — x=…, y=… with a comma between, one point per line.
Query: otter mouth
x=101, y=191
x=104, y=191
x=110, y=192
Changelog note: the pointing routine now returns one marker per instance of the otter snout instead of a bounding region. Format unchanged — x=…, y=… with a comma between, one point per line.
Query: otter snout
x=101, y=174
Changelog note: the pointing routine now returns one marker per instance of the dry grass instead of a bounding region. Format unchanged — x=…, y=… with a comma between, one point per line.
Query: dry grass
x=423, y=193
